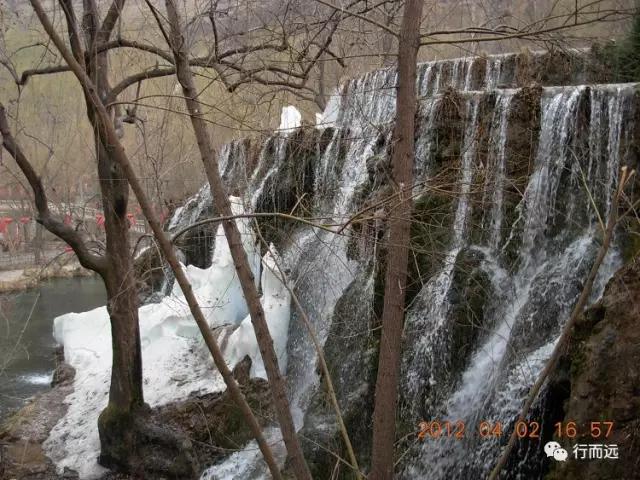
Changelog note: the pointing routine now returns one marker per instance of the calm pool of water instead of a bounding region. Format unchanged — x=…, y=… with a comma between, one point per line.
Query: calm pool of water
x=26, y=340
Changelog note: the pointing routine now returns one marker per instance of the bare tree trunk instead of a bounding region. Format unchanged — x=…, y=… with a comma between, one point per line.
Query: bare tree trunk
x=117, y=430
x=115, y=425
x=221, y=201
x=384, y=415
x=107, y=133
x=37, y=245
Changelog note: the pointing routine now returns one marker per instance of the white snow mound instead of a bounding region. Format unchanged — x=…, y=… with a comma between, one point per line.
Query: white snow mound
x=276, y=301
x=175, y=359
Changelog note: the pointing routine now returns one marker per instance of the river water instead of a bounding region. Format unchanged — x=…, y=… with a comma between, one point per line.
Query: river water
x=26, y=334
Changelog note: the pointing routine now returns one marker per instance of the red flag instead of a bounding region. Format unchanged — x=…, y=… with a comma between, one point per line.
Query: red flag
x=4, y=222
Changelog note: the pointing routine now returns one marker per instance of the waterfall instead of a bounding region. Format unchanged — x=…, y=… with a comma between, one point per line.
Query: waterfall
x=521, y=235
x=493, y=72
x=268, y=164
x=321, y=269
x=468, y=158
x=536, y=299
x=191, y=210
x=495, y=183
x=425, y=137
x=428, y=316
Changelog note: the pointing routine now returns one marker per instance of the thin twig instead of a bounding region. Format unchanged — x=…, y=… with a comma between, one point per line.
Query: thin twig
x=323, y=365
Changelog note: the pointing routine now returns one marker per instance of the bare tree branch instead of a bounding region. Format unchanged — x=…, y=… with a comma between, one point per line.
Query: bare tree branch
x=74, y=35
x=27, y=74
x=45, y=218
x=110, y=137
x=110, y=20
x=361, y=16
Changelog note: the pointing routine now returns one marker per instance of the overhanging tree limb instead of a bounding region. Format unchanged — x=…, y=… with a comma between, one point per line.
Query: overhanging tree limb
x=221, y=200
x=45, y=218
x=109, y=137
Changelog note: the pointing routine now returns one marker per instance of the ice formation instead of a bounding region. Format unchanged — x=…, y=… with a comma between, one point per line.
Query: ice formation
x=329, y=117
x=276, y=301
x=175, y=359
x=290, y=119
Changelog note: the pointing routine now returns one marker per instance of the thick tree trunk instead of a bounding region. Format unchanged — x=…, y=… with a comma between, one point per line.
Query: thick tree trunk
x=384, y=415
x=103, y=123
x=221, y=200
x=116, y=426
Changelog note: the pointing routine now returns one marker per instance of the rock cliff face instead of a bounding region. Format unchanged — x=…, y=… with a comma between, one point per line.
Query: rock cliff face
x=600, y=377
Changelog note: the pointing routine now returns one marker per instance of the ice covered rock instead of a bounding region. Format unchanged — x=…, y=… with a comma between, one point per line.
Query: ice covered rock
x=174, y=357
x=290, y=119
x=329, y=117
x=276, y=301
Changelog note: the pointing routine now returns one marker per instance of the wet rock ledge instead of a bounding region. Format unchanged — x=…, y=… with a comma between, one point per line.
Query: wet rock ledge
x=602, y=380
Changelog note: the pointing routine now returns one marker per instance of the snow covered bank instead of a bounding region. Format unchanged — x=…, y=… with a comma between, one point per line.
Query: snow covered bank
x=175, y=359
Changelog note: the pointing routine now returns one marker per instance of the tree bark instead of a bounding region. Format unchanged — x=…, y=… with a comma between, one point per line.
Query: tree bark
x=221, y=200
x=384, y=415
x=107, y=133
x=117, y=431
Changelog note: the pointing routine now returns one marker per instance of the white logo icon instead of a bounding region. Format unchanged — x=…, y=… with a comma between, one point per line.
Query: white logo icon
x=553, y=449
x=560, y=455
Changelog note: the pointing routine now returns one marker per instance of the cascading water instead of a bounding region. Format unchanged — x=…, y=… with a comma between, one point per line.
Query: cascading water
x=494, y=183
x=321, y=269
x=536, y=297
x=519, y=227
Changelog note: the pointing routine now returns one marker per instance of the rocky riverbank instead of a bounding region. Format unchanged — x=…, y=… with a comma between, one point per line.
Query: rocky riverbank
x=25, y=278
x=210, y=423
